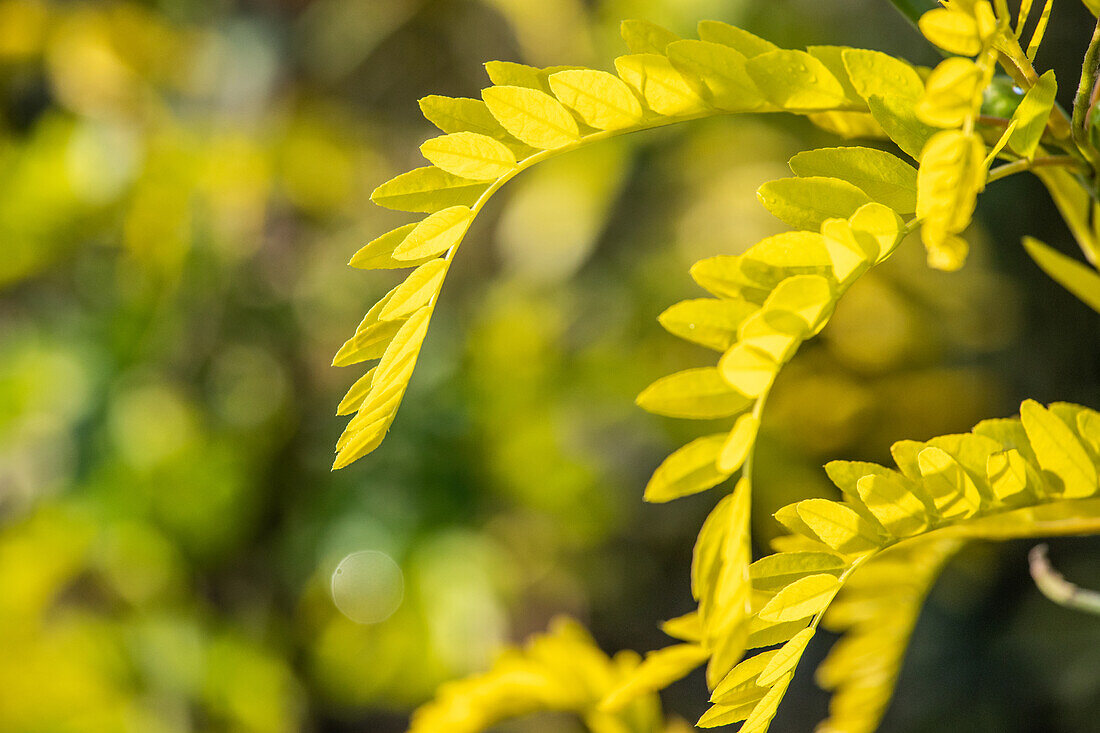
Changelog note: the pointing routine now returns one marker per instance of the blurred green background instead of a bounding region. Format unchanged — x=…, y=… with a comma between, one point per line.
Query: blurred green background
x=181, y=185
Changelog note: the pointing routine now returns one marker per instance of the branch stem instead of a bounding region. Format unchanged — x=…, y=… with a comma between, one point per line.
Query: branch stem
x=1054, y=586
x=1082, y=103
x=1019, y=166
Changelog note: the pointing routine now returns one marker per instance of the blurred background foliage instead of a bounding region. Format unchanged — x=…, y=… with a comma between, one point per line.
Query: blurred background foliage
x=181, y=184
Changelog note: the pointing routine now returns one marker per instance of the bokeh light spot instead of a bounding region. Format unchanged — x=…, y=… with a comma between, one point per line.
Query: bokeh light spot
x=368, y=586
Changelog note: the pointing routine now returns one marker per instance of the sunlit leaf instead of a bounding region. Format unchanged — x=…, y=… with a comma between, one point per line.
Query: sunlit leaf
x=691, y=469
x=796, y=81
x=1067, y=272
x=694, y=393
x=885, y=178
x=470, y=155
x=805, y=203
x=663, y=88
x=602, y=100
x=532, y=116
x=427, y=189
x=435, y=234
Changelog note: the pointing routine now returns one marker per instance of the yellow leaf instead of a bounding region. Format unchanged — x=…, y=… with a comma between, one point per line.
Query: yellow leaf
x=688, y=627
x=765, y=710
x=886, y=178
x=838, y=526
x=371, y=336
x=954, y=493
x=427, y=189
x=893, y=504
x=378, y=254
x=804, y=597
x=849, y=258
x=1007, y=475
x=435, y=235
x=641, y=36
x=796, y=81
x=786, y=658
x=951, y=175
x=876, y=74
x=659, y=670
x=952, y=93
x=695, y=394
x=761, y=332
x=1059, y=451
x=1032, y=115
x=663, y=88
x=718, y=73
x=355, y=396
x=848, y=125
x=767, y=633
x=691, y=469
x=460, y=114
x=748, y=369
x=470, y=155
x=603, y=101
x=899, y=121
x=833, y=58
x=738, y=443
x=1067, y=272
x=417, y=290
x=708, y=322
x=882, y=224
x=739, y=685
x=736, y=38
x=718, y=715
x=952, y=30
x=532, y=116
x=800, y=305
x=782, y=568
x=805, y=203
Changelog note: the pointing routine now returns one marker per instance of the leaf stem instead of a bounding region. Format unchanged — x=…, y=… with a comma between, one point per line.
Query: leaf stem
x=1019, y=166
x=1054, y=586
x=1090, y=71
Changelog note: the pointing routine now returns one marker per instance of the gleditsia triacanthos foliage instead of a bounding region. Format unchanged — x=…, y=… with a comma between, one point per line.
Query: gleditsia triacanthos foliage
x=861, y=566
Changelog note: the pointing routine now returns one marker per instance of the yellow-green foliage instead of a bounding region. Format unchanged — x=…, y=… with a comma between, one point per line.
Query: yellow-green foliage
x=861, y=565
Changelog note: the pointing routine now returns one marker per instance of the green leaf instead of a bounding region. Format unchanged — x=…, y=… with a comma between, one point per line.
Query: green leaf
x=1032, y=115
x=805, y=203
x=1067, y=272
x=417, y=290
x=776, y=571
x=804, y=597
x=532, y=116
x=709, y=322
x=689, y=470
x=694, y=393
x=786, y=659
x=427, y=190
x=796, y=81
x=641, y=36
x=663, y=88
x=378, y=254
x=1059, y=451
x=876, y=74
x=886, y=178
x=435, y=234
x=602, y=100
x=718, y=73
x=899, y=121
x=470, y=155
x=736, y=38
